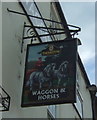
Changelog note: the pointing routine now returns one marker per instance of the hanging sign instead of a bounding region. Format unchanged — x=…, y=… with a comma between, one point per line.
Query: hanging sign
x=50, y=73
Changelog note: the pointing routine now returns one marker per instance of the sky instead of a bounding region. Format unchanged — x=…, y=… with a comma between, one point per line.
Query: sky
x=82, y=14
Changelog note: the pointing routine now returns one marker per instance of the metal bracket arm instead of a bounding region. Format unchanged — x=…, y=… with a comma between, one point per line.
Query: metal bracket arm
x=43, y=35
x=79, y=29
x=54, y=31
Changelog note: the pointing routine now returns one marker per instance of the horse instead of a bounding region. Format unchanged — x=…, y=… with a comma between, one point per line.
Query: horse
x=62, y=74
x=41, y=77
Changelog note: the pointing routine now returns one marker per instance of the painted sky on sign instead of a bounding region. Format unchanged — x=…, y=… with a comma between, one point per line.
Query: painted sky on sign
x=82, y=14
x=35, y=50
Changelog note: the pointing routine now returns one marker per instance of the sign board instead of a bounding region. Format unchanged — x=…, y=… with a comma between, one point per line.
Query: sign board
x=50, y=73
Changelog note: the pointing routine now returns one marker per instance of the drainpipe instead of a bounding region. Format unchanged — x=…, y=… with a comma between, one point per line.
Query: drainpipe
x=93, y=90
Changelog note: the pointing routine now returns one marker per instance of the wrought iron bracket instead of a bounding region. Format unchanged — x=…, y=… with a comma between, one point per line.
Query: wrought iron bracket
x=43, y=35
x=78, y=29
x=19, y=13
x=53, y=31
x=28, y=33
x=4, y=100
x=74, y=32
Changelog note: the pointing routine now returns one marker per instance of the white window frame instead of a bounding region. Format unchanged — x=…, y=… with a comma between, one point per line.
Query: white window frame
x=52, y=110
x=79, y=103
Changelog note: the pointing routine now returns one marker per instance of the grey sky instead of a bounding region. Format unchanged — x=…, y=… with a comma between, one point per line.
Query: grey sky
x=82, y=14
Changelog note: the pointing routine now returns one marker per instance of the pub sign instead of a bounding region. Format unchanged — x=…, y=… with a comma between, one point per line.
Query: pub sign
x=50, y=73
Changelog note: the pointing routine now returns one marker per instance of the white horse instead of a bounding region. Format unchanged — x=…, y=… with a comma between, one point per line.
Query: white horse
x=61, y=74
x=41, y=77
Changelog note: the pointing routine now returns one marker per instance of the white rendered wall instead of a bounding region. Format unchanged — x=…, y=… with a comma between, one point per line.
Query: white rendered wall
x=0, y=48
x=12, y=70
x=44, y=8
x=66, y=111
x=87, y=108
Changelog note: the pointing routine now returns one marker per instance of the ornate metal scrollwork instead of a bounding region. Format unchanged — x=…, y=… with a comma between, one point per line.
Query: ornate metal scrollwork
x=30, y=32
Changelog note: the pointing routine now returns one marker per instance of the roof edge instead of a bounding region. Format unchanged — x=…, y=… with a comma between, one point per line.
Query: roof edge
x=62, y=17
x=84, y=71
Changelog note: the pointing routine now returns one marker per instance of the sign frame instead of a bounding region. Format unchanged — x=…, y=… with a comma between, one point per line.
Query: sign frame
x=58, y=97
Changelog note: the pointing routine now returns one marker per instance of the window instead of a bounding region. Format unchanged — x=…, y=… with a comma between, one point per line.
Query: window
x=32, y=9
x=79, y=103
x=54, y=16
x=50, y=117
x=79, y=99
x=77, y=85
x=52, y=111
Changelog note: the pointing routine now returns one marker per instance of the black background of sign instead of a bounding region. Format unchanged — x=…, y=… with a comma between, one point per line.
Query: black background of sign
x=69, y=54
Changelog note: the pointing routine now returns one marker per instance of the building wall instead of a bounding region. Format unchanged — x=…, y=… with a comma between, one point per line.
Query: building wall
x=14, y=65
x=0, y=49
x=48, y=11
x=44, y=5
x=87, y=108
x=66, y=111
x=0, y=43
x=12, y=70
